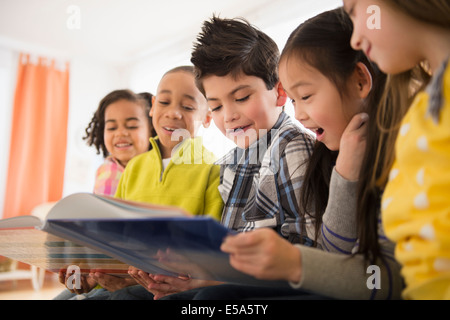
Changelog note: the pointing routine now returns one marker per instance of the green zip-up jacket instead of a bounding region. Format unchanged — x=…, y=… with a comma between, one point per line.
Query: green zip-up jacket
x=190, y=181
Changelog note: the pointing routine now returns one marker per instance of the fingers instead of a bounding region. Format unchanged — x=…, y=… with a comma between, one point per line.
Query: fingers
x=62, y=277
x=244, y=250
x=240, y=241
x=141, y=277
x=165, y=285
x=160, y=278
x=71, y=284
x=247, y=242
x=85, y=286
x=158, y=285
x=357, y=122
x=109, y=282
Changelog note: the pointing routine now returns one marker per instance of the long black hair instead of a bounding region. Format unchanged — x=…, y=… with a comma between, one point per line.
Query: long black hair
x=324, y=43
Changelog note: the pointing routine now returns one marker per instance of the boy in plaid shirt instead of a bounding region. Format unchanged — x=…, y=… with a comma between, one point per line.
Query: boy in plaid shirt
x=236, y=66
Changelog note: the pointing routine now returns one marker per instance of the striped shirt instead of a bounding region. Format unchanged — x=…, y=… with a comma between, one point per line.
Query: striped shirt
x=337, y=270
x=339, y=232
x=260, y=185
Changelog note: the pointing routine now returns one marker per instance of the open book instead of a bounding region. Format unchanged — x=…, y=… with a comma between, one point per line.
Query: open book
x=98, y=233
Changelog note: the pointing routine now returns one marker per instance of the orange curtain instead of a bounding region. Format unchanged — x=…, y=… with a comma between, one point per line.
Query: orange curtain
x=38, y=138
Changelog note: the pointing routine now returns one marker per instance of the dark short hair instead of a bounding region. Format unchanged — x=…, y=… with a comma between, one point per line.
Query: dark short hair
x=234, y=46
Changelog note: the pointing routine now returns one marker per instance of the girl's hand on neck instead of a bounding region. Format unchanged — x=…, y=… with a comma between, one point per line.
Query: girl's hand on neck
x=352, y=148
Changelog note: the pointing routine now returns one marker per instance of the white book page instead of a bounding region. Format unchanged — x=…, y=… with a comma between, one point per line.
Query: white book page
x=90, y=206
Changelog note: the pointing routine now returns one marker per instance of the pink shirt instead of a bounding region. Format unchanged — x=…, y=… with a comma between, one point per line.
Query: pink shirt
x=108, y=176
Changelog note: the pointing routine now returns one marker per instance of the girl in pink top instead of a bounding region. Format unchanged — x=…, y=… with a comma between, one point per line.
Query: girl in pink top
x=120, y=129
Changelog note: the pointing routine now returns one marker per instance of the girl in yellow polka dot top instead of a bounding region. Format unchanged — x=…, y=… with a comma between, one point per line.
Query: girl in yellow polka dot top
x=415, y=36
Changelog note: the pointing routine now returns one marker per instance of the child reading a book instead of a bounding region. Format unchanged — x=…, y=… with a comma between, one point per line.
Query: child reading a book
x=178, y=170
x=236, y=67
x=120, y=129
x=413, y=45
x=174, y=173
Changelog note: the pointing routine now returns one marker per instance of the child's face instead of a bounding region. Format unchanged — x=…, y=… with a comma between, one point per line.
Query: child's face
x=317, y=102
x=178, y=110
x=242, y=108
x=126, y=131
x=384, y=34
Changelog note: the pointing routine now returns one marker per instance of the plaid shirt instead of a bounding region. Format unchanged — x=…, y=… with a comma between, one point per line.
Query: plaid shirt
x=260, y=185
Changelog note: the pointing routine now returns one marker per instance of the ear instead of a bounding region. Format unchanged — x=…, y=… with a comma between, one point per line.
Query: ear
x=208, y=117
x=281, y=95
x=153, y=103
x=363, y=79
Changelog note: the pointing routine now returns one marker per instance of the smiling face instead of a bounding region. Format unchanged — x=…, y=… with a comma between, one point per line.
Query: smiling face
x=397, y=34
x=242, y=108
x=317, y=102
x=127, y=130
x=178, y=110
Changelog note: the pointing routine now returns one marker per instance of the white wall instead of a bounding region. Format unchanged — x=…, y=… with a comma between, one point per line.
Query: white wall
x=8, y=62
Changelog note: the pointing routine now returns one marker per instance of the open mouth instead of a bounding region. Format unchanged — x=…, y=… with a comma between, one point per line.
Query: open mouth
x=319, y=134
x=317, y=131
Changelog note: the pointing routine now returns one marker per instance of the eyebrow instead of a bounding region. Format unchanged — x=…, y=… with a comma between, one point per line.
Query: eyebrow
x=244, y=86
x=300, y=84
x=184, y=95
x=127, y=119
x=296, y=85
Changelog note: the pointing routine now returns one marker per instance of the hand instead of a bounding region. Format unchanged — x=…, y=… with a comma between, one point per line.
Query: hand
x=352, y=148
x=162, y=285
x=111, y=283
x=141, y=277
x=165, y=285
x=86, y=283
x=264, y=254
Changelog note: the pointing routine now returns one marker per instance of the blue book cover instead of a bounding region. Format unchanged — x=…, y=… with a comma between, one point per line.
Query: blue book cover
x=104, y=234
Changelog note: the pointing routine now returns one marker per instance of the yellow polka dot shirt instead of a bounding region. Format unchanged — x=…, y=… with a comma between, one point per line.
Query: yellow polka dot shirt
x=416, y=201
